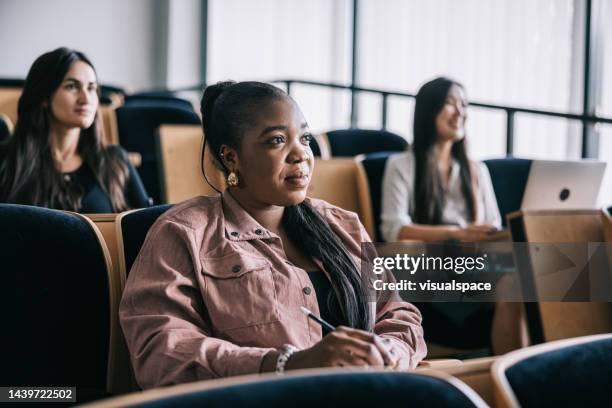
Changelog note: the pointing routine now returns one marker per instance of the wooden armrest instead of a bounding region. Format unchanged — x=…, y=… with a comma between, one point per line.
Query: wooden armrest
x=135, y=158
x=440, y=363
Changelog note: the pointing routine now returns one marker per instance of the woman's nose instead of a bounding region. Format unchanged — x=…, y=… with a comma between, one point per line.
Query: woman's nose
x=85, y=96
x=298, y=153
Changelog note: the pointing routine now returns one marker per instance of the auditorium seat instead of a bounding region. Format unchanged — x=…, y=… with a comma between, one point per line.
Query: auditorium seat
x=57, y=303
x=374, y=166
x=343, y=182
x=560, y=257
x=158, y=100
x=132, y=229
x=9, y=97
x=138, y=126
x=312, y=388
x=111, y=95
x=476, y=373
x=122, y=380
x=6, y=127
x=568, y=373
x=353, y=142
x=509, y=178
x=179, y=150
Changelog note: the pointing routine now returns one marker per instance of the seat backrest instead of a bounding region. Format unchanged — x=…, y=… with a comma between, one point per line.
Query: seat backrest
x=558, y=320
x=374, y=166
x=9, y=97
x=157, y=100
x=509, y=178
x=353, y=142
x=568, y=373
x=138, y=126
x=343, y=182
x=58, y=299
x=308, y=389
x=180, y=155
x=476, y=373
x=6, y=127
x=132, y=229
x=122, y=379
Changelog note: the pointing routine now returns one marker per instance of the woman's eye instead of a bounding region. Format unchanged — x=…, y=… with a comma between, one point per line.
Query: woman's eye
x=71, y=86
x=307, y=138
x=276, y=140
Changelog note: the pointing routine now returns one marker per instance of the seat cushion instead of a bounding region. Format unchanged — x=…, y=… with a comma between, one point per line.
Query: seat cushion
x=573, y=376
x=330, y=390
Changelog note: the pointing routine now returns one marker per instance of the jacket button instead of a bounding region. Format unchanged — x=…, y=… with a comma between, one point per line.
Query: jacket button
x=236, y=268
x=234, y=234
x=258, y=231
x=307, y=290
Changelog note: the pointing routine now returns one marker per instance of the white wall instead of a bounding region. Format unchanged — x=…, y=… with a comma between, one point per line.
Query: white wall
x=125, y=39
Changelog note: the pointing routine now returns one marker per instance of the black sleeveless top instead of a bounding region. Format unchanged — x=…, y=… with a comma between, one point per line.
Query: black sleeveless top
x=329, y=307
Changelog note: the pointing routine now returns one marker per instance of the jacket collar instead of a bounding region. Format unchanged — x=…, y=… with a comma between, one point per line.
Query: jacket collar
x=239, y=225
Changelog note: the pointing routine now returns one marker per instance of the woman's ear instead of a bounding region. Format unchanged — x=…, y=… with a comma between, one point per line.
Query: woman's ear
x=229, y=157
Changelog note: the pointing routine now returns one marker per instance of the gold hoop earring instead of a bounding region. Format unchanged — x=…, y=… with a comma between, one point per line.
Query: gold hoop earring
x=232, y=179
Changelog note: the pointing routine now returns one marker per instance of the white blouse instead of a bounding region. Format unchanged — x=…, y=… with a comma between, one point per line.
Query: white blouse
x=398, y=198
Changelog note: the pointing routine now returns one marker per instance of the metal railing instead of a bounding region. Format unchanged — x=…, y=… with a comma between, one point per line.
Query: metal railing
x=510, y=111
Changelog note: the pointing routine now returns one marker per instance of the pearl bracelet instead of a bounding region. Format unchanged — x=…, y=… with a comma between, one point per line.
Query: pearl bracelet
x=286, y=352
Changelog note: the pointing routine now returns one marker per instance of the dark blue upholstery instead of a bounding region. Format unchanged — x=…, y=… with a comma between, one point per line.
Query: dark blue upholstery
x=374, y=165
x=316, y=150
x=370, y=390
x=138, y=125
x=352, y=142
x=55, y=301
x=575, y=376
x=509, y=177
x=11, y=82
x=134, y=228
x=134, y=100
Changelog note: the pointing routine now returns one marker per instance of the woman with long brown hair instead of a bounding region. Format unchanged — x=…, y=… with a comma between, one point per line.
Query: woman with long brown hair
x=56, y=157
x=435, y=192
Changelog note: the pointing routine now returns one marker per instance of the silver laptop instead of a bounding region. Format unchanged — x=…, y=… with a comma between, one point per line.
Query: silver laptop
x=563, y=184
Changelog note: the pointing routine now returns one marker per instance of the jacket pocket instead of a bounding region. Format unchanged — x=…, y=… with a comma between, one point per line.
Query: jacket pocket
x=239, y=291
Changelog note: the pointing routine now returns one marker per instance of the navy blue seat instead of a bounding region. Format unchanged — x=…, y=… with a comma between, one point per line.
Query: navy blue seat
x=352, y=142
x=509, y=178
x=55, y=306
x=11, y=82
x=316, y=150
x=138, y=100
x=374, y=165
x=107, y=92
x=134, y=228
x=576, y=375
x=331, y=389
x=137, y=125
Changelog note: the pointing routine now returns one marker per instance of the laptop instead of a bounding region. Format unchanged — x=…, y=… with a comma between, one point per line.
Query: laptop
x=563, y=185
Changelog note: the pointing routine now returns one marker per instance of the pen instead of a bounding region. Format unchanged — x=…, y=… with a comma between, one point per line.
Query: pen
x=317, y=319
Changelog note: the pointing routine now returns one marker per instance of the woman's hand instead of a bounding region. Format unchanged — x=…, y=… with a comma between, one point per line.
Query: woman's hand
x=474, y=232
x=346, y=347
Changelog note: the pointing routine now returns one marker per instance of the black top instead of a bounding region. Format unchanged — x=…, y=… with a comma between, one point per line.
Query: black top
x=95, y=200
x=329, y=307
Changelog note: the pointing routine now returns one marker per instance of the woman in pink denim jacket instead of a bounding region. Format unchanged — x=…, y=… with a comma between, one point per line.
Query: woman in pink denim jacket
x=217, y=288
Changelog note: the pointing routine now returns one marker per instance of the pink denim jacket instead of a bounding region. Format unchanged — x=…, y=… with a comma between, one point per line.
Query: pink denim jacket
x=211, y=292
